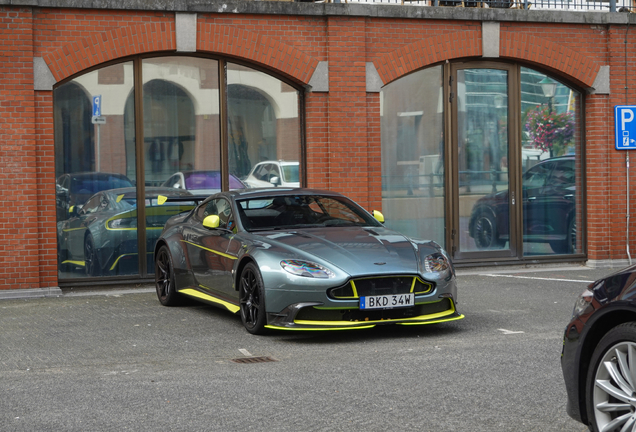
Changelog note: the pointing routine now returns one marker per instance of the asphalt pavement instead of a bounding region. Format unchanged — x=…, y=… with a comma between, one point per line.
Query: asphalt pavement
x=115, y=359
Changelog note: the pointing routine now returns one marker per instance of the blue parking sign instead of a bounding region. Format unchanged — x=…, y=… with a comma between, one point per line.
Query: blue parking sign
x=97, y=106
x=625, y=127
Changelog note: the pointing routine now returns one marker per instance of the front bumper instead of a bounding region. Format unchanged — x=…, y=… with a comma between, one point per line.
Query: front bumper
x=570, y=366
x=313, y=316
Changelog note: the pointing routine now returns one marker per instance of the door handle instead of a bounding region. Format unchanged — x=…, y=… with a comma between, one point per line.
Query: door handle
x=568, y=196
x=532, y=198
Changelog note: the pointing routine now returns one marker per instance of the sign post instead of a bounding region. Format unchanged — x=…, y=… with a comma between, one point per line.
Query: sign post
x=97, y=120
x=625, y=133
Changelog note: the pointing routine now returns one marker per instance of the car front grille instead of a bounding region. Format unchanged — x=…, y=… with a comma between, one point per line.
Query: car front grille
x=360, y=315
x=357, y=288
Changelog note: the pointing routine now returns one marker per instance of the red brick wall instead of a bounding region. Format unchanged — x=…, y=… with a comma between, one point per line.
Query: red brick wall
x=342, y=127
x=19, y=258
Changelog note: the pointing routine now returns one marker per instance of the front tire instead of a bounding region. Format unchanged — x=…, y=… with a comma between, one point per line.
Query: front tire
x=164, y=278
x=252, y=299
x=568, y=245
x=611, y=381
x=485, y=231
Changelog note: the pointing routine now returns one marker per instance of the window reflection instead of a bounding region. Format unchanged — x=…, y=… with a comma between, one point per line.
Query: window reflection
x=263, y=129
x=482, y=96
x=552, y=165
x=413, y=155
x=92, y=161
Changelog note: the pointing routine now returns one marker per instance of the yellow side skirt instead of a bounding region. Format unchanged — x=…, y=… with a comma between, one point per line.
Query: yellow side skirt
x=198, y=294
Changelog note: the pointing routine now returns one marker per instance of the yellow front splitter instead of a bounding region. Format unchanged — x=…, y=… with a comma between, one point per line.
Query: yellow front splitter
x=306, y=325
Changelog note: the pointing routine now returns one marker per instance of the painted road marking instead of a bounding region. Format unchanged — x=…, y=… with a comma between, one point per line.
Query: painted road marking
x=507, y=332
x=538, y=278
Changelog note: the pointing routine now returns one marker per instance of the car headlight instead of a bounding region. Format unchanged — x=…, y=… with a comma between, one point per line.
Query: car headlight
x=583, y=303
x=306, y=269
x=436, y=263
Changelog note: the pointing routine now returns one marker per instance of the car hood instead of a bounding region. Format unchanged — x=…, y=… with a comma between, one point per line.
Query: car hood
x=355, y=250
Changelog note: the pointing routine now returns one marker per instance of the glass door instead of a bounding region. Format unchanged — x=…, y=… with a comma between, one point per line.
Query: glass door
x=483, y=199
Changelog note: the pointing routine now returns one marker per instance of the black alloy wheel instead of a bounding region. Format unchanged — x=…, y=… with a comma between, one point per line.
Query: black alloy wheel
x=611, y=381
x=252, y=299
x=485, y=231
x=164, y=278
x=91, y=262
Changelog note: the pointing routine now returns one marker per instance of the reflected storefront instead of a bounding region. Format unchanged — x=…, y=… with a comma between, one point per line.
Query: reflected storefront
x=488, y=165
x=164, y=127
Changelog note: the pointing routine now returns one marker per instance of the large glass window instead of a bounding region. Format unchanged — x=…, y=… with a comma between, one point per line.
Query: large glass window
x=551, y=161
x=95, y=188
x=263, y=128
x=412, y=124
x=106, y=156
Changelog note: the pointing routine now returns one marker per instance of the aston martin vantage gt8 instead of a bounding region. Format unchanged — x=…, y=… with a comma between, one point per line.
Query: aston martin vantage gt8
x=302, y=259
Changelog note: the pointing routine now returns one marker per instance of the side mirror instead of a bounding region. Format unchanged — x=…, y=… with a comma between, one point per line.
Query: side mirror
x=211, y=221
x=378, y=216
x=75, y=210
x=274, y=180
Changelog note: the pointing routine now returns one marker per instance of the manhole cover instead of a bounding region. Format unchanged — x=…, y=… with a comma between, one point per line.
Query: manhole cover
x=253, y=360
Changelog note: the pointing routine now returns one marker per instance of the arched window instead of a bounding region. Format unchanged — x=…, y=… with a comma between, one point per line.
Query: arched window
x=486, y=159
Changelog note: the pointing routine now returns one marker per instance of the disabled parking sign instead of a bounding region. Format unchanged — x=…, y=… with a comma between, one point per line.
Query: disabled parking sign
x=625, y=127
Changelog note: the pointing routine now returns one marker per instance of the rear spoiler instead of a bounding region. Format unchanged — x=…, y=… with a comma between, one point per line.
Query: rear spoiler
x=162, y=199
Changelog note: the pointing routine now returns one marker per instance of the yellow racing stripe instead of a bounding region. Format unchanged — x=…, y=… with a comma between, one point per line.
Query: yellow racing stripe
x=211, y=250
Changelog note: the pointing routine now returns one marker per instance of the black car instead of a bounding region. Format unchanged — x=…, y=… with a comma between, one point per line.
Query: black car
x=549, y=210
x=599, y=354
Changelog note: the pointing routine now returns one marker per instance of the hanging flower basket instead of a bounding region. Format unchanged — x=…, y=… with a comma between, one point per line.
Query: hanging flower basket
x=549, y=130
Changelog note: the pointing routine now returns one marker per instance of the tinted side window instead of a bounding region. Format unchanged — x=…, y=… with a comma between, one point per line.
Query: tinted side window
x=537, y=176
x=563, y=174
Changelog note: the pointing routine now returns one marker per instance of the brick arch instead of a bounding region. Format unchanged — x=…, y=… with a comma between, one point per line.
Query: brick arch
x=256, y=48
x=424, y=52
x=551, y=55
x=512, y=45
x=102, y=47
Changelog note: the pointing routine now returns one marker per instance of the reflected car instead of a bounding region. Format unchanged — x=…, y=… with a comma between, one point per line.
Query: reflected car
x=201, y=182
x=75, y=188
x=302, y=259
x=101, y=235
x=599, y=354
x=549, y=209
x=274, y=173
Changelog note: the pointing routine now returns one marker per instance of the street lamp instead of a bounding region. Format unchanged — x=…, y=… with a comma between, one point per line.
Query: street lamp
x=548, y=87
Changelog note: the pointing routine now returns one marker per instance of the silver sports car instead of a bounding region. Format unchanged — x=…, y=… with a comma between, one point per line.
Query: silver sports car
x=302, y=259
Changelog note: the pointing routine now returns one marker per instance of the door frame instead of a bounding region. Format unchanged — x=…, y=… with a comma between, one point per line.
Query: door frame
x=451, y=130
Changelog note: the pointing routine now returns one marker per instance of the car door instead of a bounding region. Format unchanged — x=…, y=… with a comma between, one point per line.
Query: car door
x=535, y=202
x=213, y=251
x=559, y=198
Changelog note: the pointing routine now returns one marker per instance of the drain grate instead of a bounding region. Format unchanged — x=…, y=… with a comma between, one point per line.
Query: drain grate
x=249, y=360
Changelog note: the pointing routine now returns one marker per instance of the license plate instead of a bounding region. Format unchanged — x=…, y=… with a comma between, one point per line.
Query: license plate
x=387, y=301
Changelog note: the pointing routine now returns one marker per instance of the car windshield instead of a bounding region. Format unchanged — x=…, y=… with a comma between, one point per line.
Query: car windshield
x=290, y=173
x=301, y=211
